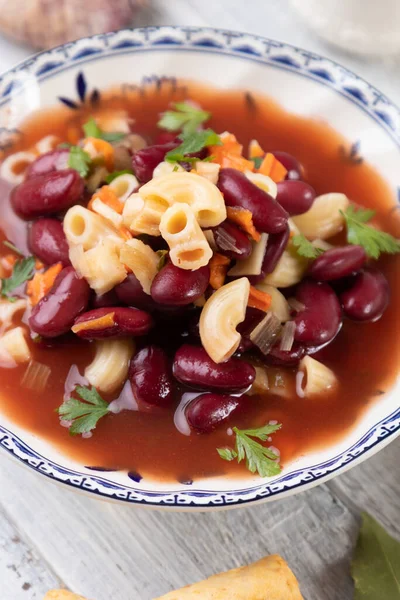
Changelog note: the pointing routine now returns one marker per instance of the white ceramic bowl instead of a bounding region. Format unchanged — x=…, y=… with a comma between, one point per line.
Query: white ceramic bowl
x=303, y=83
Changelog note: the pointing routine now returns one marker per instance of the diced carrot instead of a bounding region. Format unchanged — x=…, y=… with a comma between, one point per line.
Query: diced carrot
x=74, y=134
x=8, y=261
x=109, y=197
x=255, y=150
x=271, y=167
x=38, y=265
x=243, y=218
x=104, y=148
x=231, y=160
x=218, y=268
x=42, y=283
x=229, y=144
x=95, y=324
x=259, y=299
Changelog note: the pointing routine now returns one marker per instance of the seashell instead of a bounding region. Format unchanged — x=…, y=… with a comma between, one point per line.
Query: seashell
x=47, y=23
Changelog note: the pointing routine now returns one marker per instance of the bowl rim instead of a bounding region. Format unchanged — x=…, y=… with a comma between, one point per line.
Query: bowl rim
x=243, y=45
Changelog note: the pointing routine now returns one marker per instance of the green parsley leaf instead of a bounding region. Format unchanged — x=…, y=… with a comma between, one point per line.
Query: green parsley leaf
x=13, y=248
x=227, y=453
x=257, y=160
x=376, y=562
x=305, y=248
x=116, y=174
x=372, y=240
x=85, y=415
x=185, y=117
x=23, y=271
x=193, y=142
x=91, y=129
x=259, y=459
x=79, y=160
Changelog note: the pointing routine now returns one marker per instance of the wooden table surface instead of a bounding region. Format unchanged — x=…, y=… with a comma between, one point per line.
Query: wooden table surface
x=51, y=536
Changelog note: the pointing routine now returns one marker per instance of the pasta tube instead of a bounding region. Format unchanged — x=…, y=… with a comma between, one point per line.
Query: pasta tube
x=269, y=578
x=109, y=368
x=9, y=170
x=142, y=260
x=314, y=378
x=204, y=197
x=100, y=266
x=189, y=248
x=221, y=314
x=323, y=220
x=85, y=228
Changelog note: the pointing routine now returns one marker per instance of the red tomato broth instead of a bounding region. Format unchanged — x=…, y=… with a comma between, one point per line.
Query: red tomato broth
x=364, y=357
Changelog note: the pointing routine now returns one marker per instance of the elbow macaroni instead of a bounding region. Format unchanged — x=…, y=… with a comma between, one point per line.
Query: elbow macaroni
x=8, y=310
x=279, y=305
x=8, y=168
x=100, y=266
x=323, y=220
x=317, y=378
x=108, y=213
x=109, y=368
x=13, y=345
x=143, y=217
x=142, y=261
x=189, y=248
x=222, y=313
x=253, y=264
x=83, y=227
x=204, y=197
x=123, y=186
x=46, y=144
x=289, y=270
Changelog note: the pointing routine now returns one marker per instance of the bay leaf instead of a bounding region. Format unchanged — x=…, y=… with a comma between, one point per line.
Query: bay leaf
x=376, y=563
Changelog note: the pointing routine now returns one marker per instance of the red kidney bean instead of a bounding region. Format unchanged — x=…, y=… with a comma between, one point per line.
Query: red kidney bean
x=144, y=161
x=177, y=287
x=321, y=319
x=276, y=244
x=268, y=215
x=294, y=168
x=47, y=241
x=194, y=367
x=281, y=358
x=206, y=412
x=55, y=160
x=55, y=314
x=118, y=321
x=337, y=263
x=131, y=293
x=296, y=197
x=108, y=299
x=151, y=378
x=47, y=194
x=227, y=235
x=368, y=298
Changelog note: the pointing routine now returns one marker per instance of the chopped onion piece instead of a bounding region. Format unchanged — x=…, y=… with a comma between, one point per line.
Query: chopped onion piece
x=266, y=332
x=36, y=376
x=287, y=338
x=296, y=304
x=227, y=242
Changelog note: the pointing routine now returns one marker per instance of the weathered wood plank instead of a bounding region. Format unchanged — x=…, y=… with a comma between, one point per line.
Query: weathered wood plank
x=24, y=575
x=110, y=552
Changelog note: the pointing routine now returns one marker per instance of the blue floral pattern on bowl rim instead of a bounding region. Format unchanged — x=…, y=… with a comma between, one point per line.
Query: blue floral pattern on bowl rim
x=255, y=48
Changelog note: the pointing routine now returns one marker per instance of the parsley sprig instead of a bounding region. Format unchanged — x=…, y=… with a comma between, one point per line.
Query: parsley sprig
x=372, y=240
x=23, y=271
x=79, y=160
x=91, y=129
x=259, y=459
x=306, y=248
x=84, y=412
x=193, y=142
x=186, y=117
